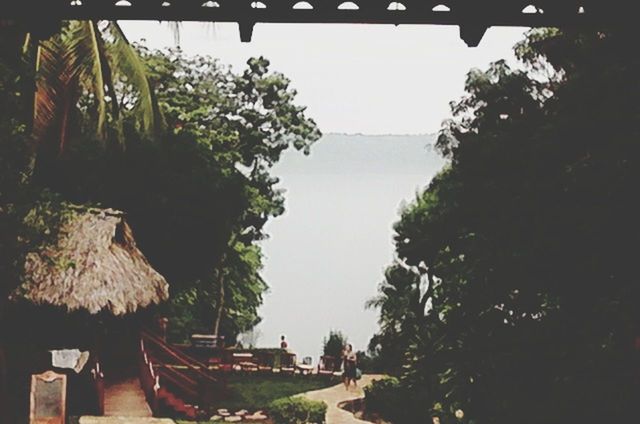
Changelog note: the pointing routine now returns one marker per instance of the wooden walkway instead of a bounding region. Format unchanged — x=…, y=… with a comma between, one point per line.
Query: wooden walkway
x=126, y=399
x=336, y=395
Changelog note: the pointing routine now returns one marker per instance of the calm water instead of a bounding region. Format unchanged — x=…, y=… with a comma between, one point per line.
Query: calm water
x=327, y=253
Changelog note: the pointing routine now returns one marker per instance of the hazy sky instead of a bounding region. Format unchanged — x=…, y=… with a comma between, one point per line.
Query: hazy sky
x=353, y=78
x=327, y=253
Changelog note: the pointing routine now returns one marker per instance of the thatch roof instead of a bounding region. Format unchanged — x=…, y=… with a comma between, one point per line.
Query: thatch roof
x=94, y=266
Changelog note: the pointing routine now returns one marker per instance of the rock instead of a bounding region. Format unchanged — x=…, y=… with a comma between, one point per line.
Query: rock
x=242, y=413
x=233, y=419
x=256, y=416
x=216, y=418
x=223, y=412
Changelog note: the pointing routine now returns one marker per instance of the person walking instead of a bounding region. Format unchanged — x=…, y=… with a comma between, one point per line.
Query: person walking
x=349, y=359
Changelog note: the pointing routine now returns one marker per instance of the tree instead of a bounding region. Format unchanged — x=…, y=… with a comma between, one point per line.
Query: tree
x=528, y=237
x=334, y=344
x=46, y=71
x=94, y=58
x=402, y=301
x=199, y=194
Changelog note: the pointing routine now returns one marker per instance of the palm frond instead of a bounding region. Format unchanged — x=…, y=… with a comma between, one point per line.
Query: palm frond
x=84, y=58
x=127, y=61
x=65, y=64
x=51, y=84
x=41, y=112
x=87, y=60
x=109, y=82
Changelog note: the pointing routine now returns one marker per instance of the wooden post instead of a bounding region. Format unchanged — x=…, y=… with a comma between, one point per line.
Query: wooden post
x=99, y=388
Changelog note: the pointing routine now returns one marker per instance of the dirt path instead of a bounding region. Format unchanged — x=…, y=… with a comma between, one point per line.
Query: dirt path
x=126, y=399
x=335, y=395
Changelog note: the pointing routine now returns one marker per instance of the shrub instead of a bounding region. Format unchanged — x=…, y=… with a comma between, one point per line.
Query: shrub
x=385, y=397
x=297, y=410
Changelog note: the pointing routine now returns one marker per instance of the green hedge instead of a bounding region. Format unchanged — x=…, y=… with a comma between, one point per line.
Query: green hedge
x=297, y=410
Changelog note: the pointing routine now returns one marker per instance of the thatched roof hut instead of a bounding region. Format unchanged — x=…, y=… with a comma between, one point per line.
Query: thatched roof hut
x=96, y=266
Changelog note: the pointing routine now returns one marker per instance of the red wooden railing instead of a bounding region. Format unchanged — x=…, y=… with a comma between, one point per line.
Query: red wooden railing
x=173, y=380
x=148, y=379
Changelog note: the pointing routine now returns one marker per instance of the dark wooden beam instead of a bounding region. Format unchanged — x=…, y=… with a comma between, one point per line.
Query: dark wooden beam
x=473, y=16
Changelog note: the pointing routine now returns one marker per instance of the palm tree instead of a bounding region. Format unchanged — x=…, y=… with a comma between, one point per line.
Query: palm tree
x=93, y=59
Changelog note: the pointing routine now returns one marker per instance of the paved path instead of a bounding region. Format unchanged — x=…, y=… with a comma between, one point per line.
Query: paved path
x=126, y=399
x=125, y=420
x=336, y=395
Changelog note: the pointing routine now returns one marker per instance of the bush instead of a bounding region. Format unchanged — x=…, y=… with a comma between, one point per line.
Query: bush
x=297, y=410
x=396, y=402
x=385, y=397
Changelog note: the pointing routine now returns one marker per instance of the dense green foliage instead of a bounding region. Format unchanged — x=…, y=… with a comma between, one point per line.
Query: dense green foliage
x=515, y=294
x=199, y=197
x=29, y=216
x=182, y=145
x=13, y=163
x=91, y=64
x=384, y=397
x=297, y=410
x=334, y=344
x=401, y=305
x=42, y=83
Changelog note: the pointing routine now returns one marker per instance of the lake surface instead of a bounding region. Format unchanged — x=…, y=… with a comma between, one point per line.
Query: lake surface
x=327, y=253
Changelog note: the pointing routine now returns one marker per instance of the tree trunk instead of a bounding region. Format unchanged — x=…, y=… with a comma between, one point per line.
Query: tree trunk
x=216, y=326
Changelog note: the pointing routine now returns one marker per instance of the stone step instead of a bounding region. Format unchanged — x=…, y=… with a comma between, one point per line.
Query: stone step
x=125, y=420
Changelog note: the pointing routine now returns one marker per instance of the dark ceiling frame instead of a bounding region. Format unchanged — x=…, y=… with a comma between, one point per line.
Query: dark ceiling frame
x=473, y=17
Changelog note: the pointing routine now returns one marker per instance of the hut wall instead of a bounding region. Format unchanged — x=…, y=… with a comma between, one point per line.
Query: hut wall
x=30, y=332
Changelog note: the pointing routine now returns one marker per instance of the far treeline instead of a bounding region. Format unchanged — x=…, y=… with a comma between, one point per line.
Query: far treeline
x=515, y=295
x=183, y=145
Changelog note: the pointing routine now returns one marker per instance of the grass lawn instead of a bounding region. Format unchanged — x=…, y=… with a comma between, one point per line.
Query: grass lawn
x=253, y=392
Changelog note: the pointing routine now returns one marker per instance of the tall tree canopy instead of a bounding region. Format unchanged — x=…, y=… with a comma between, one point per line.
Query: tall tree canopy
x=55, y=78
x=182, y=144
x=95, y=60
x=528, y=239
x=199, y=194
